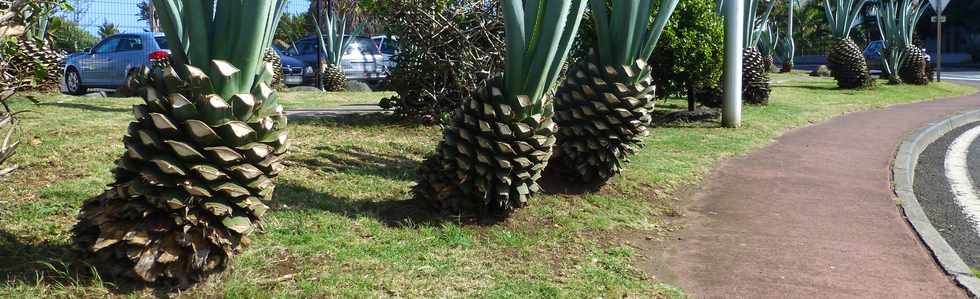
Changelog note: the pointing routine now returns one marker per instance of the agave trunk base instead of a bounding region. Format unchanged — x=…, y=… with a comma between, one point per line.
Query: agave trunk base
x=848, y=66
x=192, y=184
x=333, y=78
x=602, y=114
x=755, y=78
x=914, y=67
x=489, y=160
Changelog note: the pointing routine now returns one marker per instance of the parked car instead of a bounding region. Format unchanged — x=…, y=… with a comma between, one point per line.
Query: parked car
x=108, y=63
x=872, y=53
x=362, y=59
x=293, y=70
x=389, y=47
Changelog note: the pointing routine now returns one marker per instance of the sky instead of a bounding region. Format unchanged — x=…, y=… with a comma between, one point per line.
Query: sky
x=123, y=13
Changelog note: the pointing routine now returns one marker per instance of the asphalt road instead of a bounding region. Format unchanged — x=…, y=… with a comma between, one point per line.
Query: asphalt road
x=945, y=187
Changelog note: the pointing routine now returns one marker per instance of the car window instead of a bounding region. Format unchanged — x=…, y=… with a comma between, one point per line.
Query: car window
x=304, y=47
x=362, y=45
x=107, y=46
x=162, y=42
x=388, y=46
x=130, y=43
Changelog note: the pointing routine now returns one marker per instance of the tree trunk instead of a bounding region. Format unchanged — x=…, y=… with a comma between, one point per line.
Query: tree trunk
x=691, y=101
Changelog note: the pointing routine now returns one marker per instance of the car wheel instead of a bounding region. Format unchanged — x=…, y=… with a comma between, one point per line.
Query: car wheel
x=73, y=82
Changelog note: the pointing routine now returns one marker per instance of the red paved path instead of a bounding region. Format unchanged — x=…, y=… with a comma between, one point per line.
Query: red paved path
x=813, y=216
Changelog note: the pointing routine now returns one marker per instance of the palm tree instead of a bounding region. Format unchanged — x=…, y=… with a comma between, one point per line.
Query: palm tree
x=107, y=29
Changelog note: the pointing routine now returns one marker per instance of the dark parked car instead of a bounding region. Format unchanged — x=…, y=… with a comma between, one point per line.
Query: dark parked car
x=362, y=60
x=293, y=70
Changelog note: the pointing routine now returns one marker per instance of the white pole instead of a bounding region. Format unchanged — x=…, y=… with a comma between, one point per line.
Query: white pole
x=732, y=114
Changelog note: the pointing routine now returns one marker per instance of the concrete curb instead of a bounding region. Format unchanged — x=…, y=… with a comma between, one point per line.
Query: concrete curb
x=903, y=171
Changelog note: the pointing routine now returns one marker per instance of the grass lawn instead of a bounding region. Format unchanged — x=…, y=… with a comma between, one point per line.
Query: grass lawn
x=341, y=225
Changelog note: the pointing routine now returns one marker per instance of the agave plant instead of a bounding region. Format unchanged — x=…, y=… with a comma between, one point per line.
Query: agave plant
x=846, y=60
x=201, y=155
x=499, y=141
x=32, y=57
x=901, y=60
x=333, y=45
x=769, y=44
x=755, y=75
x=604, y=106
x=787, y=48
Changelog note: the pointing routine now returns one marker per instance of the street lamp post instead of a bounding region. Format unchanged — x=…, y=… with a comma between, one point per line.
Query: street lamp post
x=732, y=113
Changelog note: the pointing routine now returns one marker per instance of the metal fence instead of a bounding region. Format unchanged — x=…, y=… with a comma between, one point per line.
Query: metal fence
x=126, y=15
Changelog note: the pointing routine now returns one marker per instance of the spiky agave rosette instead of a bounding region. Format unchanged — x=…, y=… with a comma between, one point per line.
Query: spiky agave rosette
x=848, y=66
x=193, y=182
x=31, y=56
x=603, y=115
x=914, y=67
x=489, y=159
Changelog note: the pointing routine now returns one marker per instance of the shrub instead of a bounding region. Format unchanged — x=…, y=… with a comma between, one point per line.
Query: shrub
x=447, y=49
x=689, y=58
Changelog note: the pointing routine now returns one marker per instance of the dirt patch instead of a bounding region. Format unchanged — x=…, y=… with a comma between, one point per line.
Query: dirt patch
x=652, y=246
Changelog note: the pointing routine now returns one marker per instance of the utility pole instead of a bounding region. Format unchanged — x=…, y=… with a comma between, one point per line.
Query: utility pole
x=732, y=114
x=788, y=64
x=939, y=6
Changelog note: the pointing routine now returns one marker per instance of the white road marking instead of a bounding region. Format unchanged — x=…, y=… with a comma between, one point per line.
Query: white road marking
x=958, y=175
x=963, y=78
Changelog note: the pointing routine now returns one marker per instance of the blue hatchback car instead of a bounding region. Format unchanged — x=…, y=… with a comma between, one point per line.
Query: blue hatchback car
x=108, y=63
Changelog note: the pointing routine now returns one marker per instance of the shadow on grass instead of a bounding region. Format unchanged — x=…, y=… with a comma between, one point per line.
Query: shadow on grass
x=392, y=209
x=352, y=120
x=31, y=264
x=810, y=87
x=393, y=212
x=85, y=107
x=57, y=265
x=358, y=160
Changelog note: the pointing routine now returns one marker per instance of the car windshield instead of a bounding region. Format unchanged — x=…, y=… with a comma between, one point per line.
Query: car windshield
x=162, y=42
x=358, y=45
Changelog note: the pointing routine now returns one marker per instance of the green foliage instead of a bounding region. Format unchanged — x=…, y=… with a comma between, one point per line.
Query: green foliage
x=755, y=23
x=201, y=32
x=107, y=29
x=333, y=44
x=447, y=51
x=623, y=33
x=769, y=39
x=897, y=20
x=69, y=36
x=294, y=27
x=539, y=36
x=843, y=15
x=689, y=57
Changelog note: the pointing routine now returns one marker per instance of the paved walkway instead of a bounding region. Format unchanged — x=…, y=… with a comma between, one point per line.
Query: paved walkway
x=347, y=110
x=813, y=216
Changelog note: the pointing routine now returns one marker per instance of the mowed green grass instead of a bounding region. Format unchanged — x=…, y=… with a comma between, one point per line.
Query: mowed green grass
x=342, y=225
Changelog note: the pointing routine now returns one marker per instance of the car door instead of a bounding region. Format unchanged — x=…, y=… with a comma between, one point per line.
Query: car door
x=92, y=67
x=129, y=54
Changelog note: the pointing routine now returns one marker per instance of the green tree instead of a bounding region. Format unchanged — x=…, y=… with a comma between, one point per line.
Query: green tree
x=689, y=58
x=294, y=27
x=108, y=29
x=68, y=36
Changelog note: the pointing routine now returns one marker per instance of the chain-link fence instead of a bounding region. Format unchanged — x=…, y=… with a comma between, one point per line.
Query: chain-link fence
x=91, y=20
